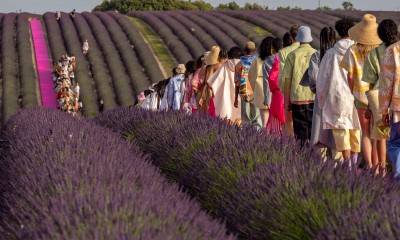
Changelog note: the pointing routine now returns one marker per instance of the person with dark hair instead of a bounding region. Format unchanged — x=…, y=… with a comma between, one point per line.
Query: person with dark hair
x=256, y=80
x=222, y=56
x=387, y=32
x=198, y=77
x=343, y=25
x=235, y=53
x=287, y=40
x=249, y=113
x=335, y=98
x=320, y=138
x=186, y=87
x=283, y=53
x=275, y=99
x=223, y=86
x=365, y=33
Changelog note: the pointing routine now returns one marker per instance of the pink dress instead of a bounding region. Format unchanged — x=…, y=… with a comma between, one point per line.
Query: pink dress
x=277, y=113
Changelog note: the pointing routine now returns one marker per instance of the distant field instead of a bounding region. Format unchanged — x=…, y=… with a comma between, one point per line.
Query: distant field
x=128, y=53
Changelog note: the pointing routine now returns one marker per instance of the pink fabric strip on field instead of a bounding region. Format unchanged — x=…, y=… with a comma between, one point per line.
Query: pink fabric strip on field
x=43, y=65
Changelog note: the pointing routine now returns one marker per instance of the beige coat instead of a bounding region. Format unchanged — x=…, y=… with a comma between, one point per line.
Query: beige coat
x=256, y=82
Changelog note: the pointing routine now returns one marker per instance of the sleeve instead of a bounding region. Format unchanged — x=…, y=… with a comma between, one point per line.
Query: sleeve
x=386, y=81
x=287, y=79
x=253, y=73
x=238, y=73
x=349, y=62
x=313, y=71
x=323, y=80
x=370, y=72
x=267, y=91
x=273, y=75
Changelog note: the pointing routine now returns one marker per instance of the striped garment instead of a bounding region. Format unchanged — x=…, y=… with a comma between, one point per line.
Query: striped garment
x=353, y=62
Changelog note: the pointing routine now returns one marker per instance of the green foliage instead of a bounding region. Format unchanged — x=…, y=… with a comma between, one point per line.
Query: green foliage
x=254, y=6
x=348, y=5
x=229, y=6
x=125, y=6
x=280, y=8
x=324, y=8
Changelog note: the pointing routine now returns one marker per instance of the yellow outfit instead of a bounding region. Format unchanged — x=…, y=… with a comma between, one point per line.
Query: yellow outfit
x=347, y=139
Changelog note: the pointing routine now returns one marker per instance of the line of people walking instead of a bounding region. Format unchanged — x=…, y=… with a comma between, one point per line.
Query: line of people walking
x=340, y=99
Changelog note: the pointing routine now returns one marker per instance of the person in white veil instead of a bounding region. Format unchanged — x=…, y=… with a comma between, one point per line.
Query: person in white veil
x=223, y=85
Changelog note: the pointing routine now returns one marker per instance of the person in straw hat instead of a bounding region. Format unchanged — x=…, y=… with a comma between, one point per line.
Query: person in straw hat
x=365, y=34
x=172, y=94
x=283, y=53
x=387, y=31
x=389, y=82
x=335, y=98
x=249, y=113
x=204, y=96
x=299, y=99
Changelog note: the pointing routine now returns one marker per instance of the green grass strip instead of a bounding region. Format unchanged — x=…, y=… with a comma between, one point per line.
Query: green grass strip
x=163, y=55
x=257, y=29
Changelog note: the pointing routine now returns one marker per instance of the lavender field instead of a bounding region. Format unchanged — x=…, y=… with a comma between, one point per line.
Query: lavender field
x=121, y=63
x=127, y=173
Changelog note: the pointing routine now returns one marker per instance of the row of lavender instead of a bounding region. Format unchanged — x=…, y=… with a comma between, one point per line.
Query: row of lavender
x=64, y=178
x=111, y=71
x=188, y=34
x=119, y=63
x=264, y=187
x=18, y=72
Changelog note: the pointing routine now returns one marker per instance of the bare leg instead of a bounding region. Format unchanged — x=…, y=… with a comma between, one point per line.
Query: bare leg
x=381, y=149
x=264, y=113
x=366, y=144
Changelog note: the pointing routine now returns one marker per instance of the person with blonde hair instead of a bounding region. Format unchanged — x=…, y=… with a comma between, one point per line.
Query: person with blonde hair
x=365, y=34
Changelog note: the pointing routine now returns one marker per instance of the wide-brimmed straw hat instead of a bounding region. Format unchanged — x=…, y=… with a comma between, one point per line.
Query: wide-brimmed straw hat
x=181, y=69
x=366, y=31
x=304, y=34
x=212, y=58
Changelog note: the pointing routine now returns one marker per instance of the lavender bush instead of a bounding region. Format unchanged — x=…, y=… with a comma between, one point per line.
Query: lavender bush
x=264, y=187
x=27, y=72
x=179, y=50
x=235, y=34
x=204, y=37
x=9, y=73
x=186, y=36
x=88, y=96
x=370, y=221
x=133, y=66
x=63, y=178
x=141, y=48
x=98, y=67
x=221, y=37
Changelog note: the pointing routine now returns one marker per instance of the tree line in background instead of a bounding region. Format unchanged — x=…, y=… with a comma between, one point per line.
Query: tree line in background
x=124, y=6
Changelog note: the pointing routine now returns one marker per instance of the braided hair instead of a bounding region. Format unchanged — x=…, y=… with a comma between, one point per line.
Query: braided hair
x=327, y=39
